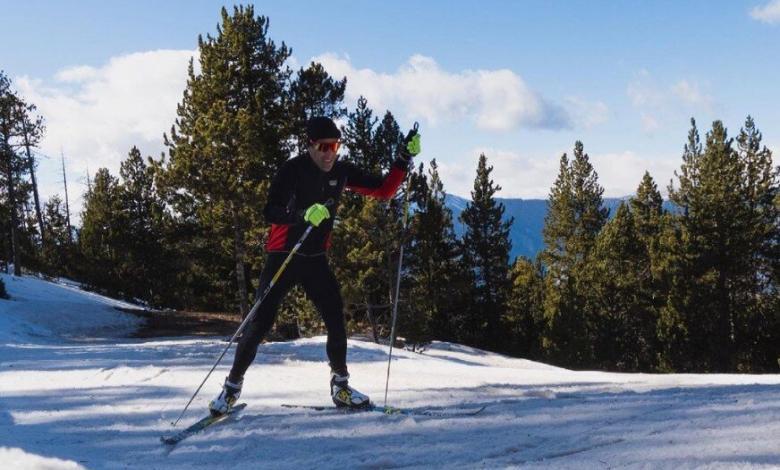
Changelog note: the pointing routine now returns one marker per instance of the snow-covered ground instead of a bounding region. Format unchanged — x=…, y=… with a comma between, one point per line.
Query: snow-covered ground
x=75, y=392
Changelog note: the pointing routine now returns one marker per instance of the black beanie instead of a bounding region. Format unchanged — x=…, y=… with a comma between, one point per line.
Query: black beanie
x=321, y=127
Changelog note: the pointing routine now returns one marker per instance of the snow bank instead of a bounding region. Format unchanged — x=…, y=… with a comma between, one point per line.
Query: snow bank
x=41, y=311
x=19, y=459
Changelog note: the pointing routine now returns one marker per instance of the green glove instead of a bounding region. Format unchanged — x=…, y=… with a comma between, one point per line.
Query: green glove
x=413, y=144
x=315, y=214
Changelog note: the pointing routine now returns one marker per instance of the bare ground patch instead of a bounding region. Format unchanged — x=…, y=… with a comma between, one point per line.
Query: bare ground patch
x=159, y=323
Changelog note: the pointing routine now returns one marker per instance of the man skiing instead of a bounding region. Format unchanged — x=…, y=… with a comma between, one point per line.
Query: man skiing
x=306, y=191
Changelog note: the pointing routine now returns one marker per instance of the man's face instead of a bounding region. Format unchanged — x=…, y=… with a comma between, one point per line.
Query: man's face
x=324, y=153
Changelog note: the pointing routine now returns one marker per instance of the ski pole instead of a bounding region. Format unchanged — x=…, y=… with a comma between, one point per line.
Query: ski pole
x=398, y=281
x=248, y=318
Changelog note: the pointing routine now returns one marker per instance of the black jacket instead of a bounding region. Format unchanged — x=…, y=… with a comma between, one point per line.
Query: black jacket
x=300, y=183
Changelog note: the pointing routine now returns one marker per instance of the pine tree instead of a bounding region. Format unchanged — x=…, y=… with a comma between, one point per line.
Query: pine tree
x=32, y=129
x=714, y=289
x=100, y=230
x=758, y=322
x=677, y=268
x=619, y=293
x=314, y=92
x=712, y=221
x=11, y=167
x=434, y=279
x=358, y=137
x=573, y=221
x=525, y=311
x=56, y=253
x=387, y=140
x=230, y=131
x=146, y=262
x=486, y=248
x=647, y=209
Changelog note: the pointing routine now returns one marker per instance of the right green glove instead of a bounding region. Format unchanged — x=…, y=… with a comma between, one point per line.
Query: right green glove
x=315, y=214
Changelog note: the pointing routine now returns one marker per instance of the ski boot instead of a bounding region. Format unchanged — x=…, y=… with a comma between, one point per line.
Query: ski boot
x=345, y=396
x=226, y=398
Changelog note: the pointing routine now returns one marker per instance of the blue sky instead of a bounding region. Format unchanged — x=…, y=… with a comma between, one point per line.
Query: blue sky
x=520, y=81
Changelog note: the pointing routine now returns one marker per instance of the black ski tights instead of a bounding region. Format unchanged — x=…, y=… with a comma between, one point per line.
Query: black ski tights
x=322, y=288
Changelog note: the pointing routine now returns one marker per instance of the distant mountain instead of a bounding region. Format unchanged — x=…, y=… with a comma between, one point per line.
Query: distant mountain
x=529, y=214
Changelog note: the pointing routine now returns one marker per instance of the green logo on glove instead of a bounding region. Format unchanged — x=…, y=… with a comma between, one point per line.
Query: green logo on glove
x=315, y=214
x=413, y=146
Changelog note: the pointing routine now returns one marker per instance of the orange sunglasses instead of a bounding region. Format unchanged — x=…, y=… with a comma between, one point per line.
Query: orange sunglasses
x=327, y=146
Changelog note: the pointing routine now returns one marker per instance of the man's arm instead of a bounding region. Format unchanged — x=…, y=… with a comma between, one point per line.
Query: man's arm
x=280, y=207
x=375, y=186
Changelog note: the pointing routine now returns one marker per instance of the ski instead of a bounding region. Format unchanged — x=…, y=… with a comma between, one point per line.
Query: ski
x=200, y=426
x=391, y=410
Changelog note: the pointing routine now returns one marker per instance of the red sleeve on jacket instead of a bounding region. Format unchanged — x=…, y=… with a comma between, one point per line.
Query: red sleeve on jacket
x=370, y=185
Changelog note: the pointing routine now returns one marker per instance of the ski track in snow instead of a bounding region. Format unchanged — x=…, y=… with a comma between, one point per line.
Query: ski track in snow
x=75, y=394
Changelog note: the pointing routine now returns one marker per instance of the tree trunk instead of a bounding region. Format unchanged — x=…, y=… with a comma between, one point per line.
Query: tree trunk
x=31, y=166
x=67, y=204
x=372, y=321
x=240, y=255
x=13, y=221
x=7, y=153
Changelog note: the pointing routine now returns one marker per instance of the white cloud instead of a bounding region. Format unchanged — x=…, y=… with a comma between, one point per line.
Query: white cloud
x=532, y=176
x=690, y=94
x=77, y=74
x=767, y=13
x=659, y=102
x=495, y=100
x=649, y=123
x=96, y=114
x=620, y=173
x=519, y=175
x=643, y=91
x=587, y=114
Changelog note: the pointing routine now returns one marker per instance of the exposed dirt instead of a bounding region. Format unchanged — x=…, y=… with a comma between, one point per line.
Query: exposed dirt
x=183, y=323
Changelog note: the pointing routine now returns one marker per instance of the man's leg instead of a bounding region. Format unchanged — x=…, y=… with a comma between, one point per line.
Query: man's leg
x=324, y=291
x=260, y=325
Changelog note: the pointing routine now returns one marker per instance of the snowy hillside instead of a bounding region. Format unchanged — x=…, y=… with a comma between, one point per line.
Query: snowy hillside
x=76, y=392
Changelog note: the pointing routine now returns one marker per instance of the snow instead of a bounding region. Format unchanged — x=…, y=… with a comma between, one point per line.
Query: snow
x=77, y=392
x=17, y=458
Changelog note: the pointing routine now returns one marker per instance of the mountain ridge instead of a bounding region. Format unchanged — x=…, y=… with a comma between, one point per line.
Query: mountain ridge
x=529, y=215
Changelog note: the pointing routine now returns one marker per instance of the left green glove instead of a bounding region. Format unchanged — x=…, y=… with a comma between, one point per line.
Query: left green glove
x=315, y=214
x=411, y=145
